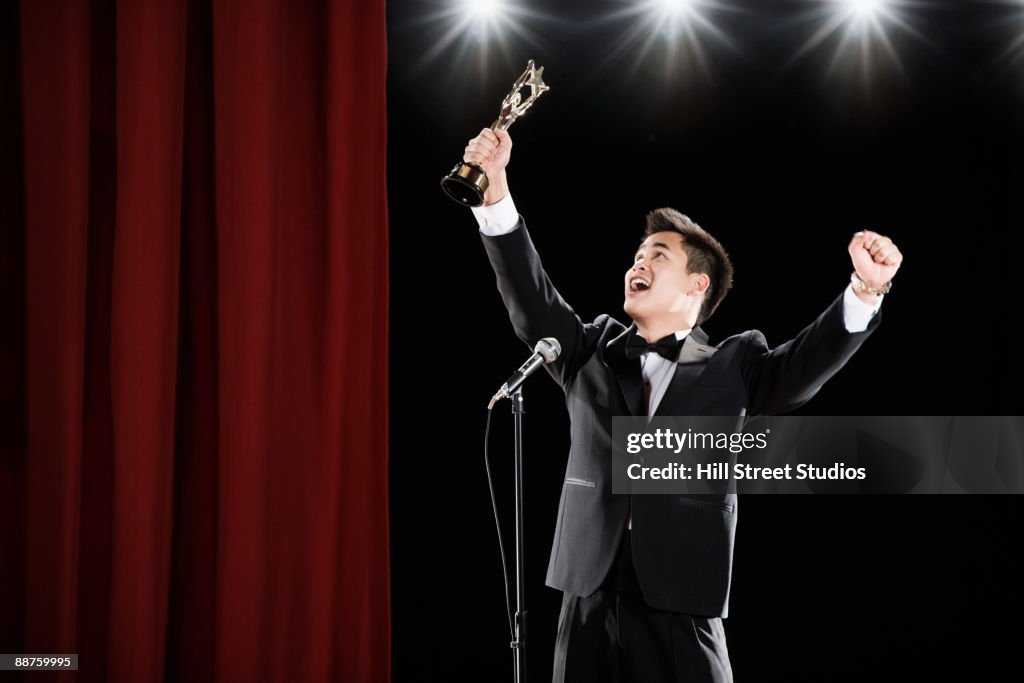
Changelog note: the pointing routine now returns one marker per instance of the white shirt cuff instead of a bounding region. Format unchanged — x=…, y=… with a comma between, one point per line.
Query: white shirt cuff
x=499, y=218
x=856, y=313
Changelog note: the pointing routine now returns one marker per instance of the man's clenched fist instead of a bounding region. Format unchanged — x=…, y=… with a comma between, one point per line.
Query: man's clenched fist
x=875, y=258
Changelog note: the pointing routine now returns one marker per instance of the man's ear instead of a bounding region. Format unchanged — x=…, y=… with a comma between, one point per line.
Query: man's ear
x=699, y=283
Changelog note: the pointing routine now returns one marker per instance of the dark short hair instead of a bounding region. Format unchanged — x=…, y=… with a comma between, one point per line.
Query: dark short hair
x=704, y=254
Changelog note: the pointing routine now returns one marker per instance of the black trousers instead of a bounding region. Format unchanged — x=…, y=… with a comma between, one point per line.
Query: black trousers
x=613, y=636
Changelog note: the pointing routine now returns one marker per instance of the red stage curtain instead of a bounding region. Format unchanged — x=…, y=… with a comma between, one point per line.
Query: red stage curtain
x=195, y=483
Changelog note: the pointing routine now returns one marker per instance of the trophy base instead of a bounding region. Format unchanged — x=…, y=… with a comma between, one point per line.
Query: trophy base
x=466, y=184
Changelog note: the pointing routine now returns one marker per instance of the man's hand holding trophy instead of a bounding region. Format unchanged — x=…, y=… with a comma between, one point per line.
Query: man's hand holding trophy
x=467, y=182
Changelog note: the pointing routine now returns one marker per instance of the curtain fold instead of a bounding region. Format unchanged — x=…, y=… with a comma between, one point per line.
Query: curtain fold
x=204, y=466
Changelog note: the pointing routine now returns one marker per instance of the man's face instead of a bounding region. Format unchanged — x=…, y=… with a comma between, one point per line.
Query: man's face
x=658, y=284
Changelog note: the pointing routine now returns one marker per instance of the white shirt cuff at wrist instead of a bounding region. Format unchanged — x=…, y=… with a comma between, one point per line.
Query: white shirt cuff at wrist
x=856, y=313
x=497, y=219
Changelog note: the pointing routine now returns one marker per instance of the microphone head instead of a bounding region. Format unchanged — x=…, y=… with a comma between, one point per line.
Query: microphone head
x=548, y=348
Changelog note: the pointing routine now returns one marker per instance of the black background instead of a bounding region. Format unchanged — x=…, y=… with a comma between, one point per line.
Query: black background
x=783, y=161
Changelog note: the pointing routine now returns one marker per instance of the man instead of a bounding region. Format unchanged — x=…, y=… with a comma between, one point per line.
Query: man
x=645, y=578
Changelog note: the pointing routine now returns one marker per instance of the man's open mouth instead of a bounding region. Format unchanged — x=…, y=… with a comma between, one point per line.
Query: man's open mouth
x=639, y=284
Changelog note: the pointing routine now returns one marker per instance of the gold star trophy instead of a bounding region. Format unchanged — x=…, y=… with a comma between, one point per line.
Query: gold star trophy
x=467, y=182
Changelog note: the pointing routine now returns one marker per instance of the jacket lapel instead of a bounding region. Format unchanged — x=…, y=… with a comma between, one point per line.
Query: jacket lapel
x=627, y=371
x=695, y=348
x=693, y=361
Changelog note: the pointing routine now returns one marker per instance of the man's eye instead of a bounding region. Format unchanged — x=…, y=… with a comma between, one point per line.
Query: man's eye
x=659, y=255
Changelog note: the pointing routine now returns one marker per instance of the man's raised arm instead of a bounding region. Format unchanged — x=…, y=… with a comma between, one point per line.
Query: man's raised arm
x=783, y=378
x=534, y=305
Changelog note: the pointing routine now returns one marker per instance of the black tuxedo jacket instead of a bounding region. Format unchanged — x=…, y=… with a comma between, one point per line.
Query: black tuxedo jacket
x=682, y=545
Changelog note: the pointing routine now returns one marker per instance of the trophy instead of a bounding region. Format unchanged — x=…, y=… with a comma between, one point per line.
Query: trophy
x=467, y=182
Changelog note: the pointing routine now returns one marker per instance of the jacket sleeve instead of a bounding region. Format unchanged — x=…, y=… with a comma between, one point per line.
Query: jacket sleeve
x=784, y=378
x=535, y=307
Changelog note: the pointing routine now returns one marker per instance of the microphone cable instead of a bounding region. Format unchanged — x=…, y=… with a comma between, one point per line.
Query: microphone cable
x=497, y=523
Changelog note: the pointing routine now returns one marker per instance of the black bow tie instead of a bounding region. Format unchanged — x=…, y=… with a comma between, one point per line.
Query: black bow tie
x=667, y=347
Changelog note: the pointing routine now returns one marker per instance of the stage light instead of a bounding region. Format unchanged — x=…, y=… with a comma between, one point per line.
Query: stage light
x=864, y=8
x=682, y=30
x=484, y=16
x=672, y=15
x=471, y=28
x=675, y=8
x=482, y=9
x=862, y=32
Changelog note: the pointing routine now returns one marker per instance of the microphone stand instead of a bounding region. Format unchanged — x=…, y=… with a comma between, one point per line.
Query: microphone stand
x=519, y=643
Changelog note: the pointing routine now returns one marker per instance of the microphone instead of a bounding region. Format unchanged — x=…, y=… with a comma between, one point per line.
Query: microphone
x=546, y=351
